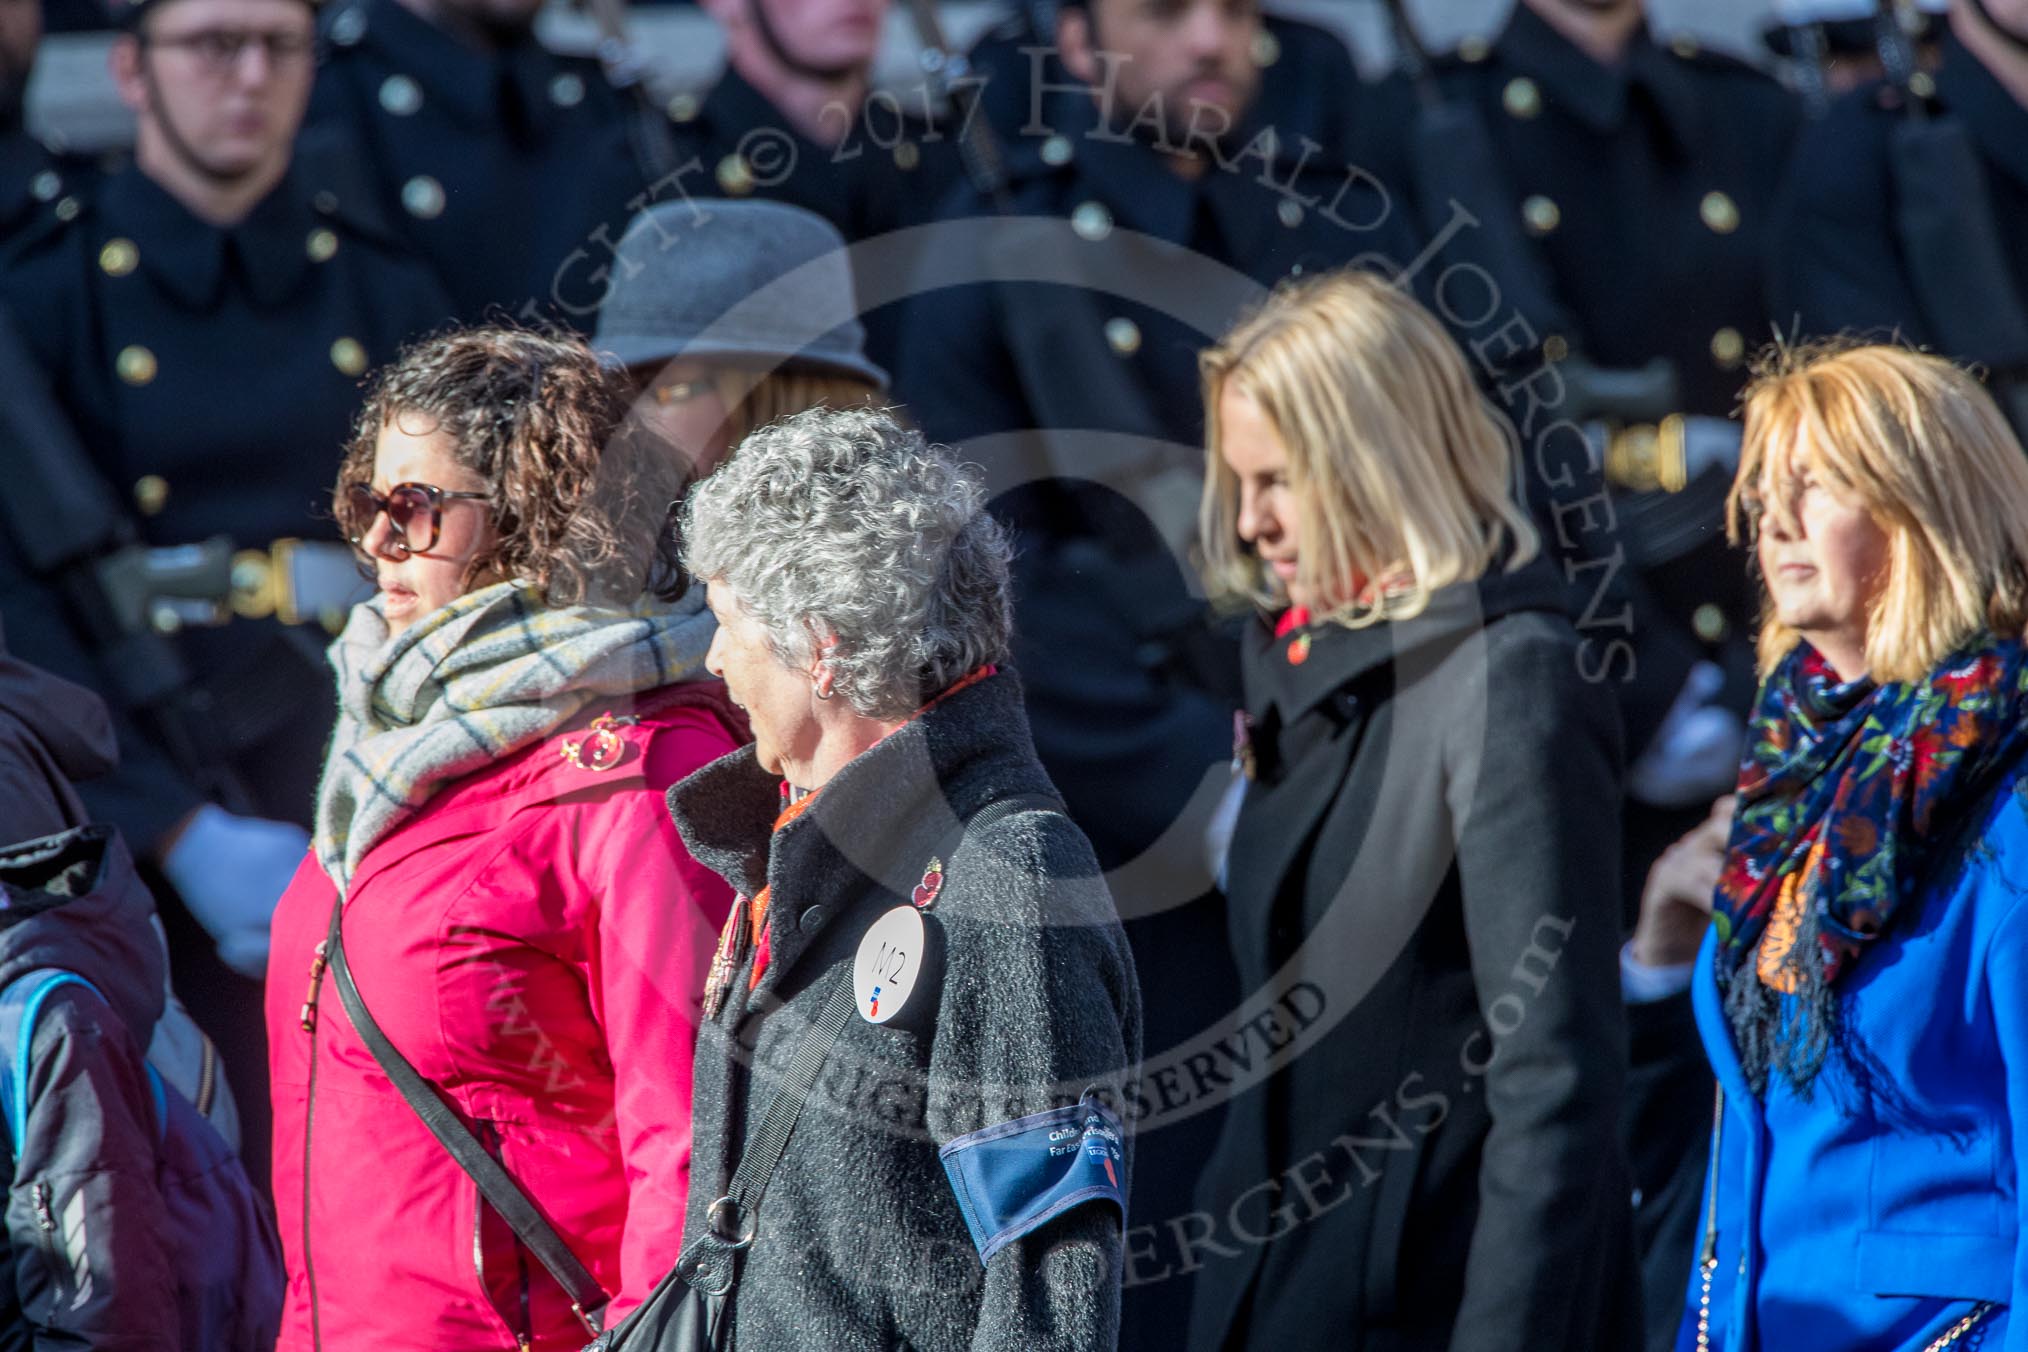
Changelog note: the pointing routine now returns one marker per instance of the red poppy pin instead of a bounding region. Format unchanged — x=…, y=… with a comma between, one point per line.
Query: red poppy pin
x=1299, y=651
x=931, y=884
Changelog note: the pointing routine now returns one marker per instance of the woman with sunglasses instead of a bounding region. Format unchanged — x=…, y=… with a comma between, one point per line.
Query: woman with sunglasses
x=495, y=868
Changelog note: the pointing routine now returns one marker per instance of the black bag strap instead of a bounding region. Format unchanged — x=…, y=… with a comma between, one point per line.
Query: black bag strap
x=732, y=1221
x=495, y=1183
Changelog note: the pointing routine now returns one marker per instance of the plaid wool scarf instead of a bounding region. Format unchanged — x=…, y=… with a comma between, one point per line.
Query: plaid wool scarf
x=472, y=682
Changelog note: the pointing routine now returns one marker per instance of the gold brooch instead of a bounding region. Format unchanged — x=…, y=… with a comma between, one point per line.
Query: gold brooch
x=600, y=748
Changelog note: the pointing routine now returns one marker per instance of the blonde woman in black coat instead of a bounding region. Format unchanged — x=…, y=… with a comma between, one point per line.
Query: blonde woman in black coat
x=1422, y=879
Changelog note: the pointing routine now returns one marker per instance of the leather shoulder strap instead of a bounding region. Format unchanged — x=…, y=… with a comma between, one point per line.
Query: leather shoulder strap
x=495, y=1183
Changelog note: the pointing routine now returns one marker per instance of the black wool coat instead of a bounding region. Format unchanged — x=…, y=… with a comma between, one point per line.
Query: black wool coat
x=1422, y=900
x=861, y=1245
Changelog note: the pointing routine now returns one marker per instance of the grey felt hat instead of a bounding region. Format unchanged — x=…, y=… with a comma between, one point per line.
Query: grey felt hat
x=696, y=278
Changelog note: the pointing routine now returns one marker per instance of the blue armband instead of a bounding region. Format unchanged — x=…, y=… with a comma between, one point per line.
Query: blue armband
x=1012, y=1178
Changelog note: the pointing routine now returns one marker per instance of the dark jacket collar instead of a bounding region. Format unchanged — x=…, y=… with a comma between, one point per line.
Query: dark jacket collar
x=480, y=90
x=1338, y=657
x=871, y=829
x=1998, y=123
x=196, y=261
x=1600, y=96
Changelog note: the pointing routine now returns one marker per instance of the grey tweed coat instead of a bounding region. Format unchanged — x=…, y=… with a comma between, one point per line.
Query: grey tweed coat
x=861, y=1243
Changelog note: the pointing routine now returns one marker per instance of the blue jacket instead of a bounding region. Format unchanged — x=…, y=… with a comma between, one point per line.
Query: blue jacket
x=1878, y=1213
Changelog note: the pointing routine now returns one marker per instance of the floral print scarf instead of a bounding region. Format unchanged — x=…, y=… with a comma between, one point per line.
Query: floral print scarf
x=1845, y=791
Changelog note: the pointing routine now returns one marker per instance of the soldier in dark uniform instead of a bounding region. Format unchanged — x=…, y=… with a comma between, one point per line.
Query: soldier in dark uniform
x=511, y=168
x=795, y=118
x=1907, y=208
x=33, y=179
x=1645, y=176
x=204, y=320
x=1153, y=204
x=1309, y=86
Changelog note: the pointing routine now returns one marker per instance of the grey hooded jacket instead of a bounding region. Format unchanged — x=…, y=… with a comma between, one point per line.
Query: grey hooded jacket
x=861, y=1244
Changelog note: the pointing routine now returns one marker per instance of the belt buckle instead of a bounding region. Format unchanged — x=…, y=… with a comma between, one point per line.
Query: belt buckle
x=258, y=583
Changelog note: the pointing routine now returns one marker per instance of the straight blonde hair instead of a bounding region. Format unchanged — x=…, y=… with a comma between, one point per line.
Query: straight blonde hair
x=1397, y=463
x=1920, y=444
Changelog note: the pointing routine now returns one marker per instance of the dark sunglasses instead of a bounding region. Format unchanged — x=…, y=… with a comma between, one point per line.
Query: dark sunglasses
x=415, y=513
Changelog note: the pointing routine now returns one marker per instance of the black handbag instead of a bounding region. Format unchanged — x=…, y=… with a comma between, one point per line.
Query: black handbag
x=686, y=1311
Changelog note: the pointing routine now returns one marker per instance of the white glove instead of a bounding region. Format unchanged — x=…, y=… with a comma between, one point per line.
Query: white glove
x=230, y=871
x=1694, y=756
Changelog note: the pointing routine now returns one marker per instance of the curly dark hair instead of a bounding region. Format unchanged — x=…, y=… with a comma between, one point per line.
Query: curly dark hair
x=578, y=491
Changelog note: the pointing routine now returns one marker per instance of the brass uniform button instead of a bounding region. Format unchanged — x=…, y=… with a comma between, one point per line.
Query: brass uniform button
x=401, y=96
x=1685, y=46
x=325, y=202
x=1091, y=221
x=683, y=108
x=1267, y=48
x=567, y=90
x=348, y=356
x=1541, y=215
x=1719, y=212
x=1710, y=623
x=1057, y=151
x=151, y=494
x=423, y=197
x=1522, y=98
x=119, y=257
x=45, y=186
x=907, y=155
x=1290, y=211
x=136, y=365
x=1123, y=335
x=1727, y=347
x=321, y=245
x=67, y=209
x=735, y=176
x=1474, y=49
x=1555, y=347
x=1922, y=84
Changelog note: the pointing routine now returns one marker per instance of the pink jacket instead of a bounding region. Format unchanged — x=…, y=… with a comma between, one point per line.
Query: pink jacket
x=535, y=942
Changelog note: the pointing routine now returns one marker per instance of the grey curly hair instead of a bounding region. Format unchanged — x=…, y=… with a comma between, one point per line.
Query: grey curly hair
x=844, y=522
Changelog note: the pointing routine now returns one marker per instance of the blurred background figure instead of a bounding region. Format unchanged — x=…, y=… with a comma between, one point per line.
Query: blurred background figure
x=510, y=167
x=1907, y=211
x=201, y=324
x=1669, y=1080
x=1828, y=48
x=1862, y=992
x=521, y=922
x=795, y=118
x=1428, y=833
x=712, y=348
x=33, y=179
x=1644, y=175
x=1309, y=87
